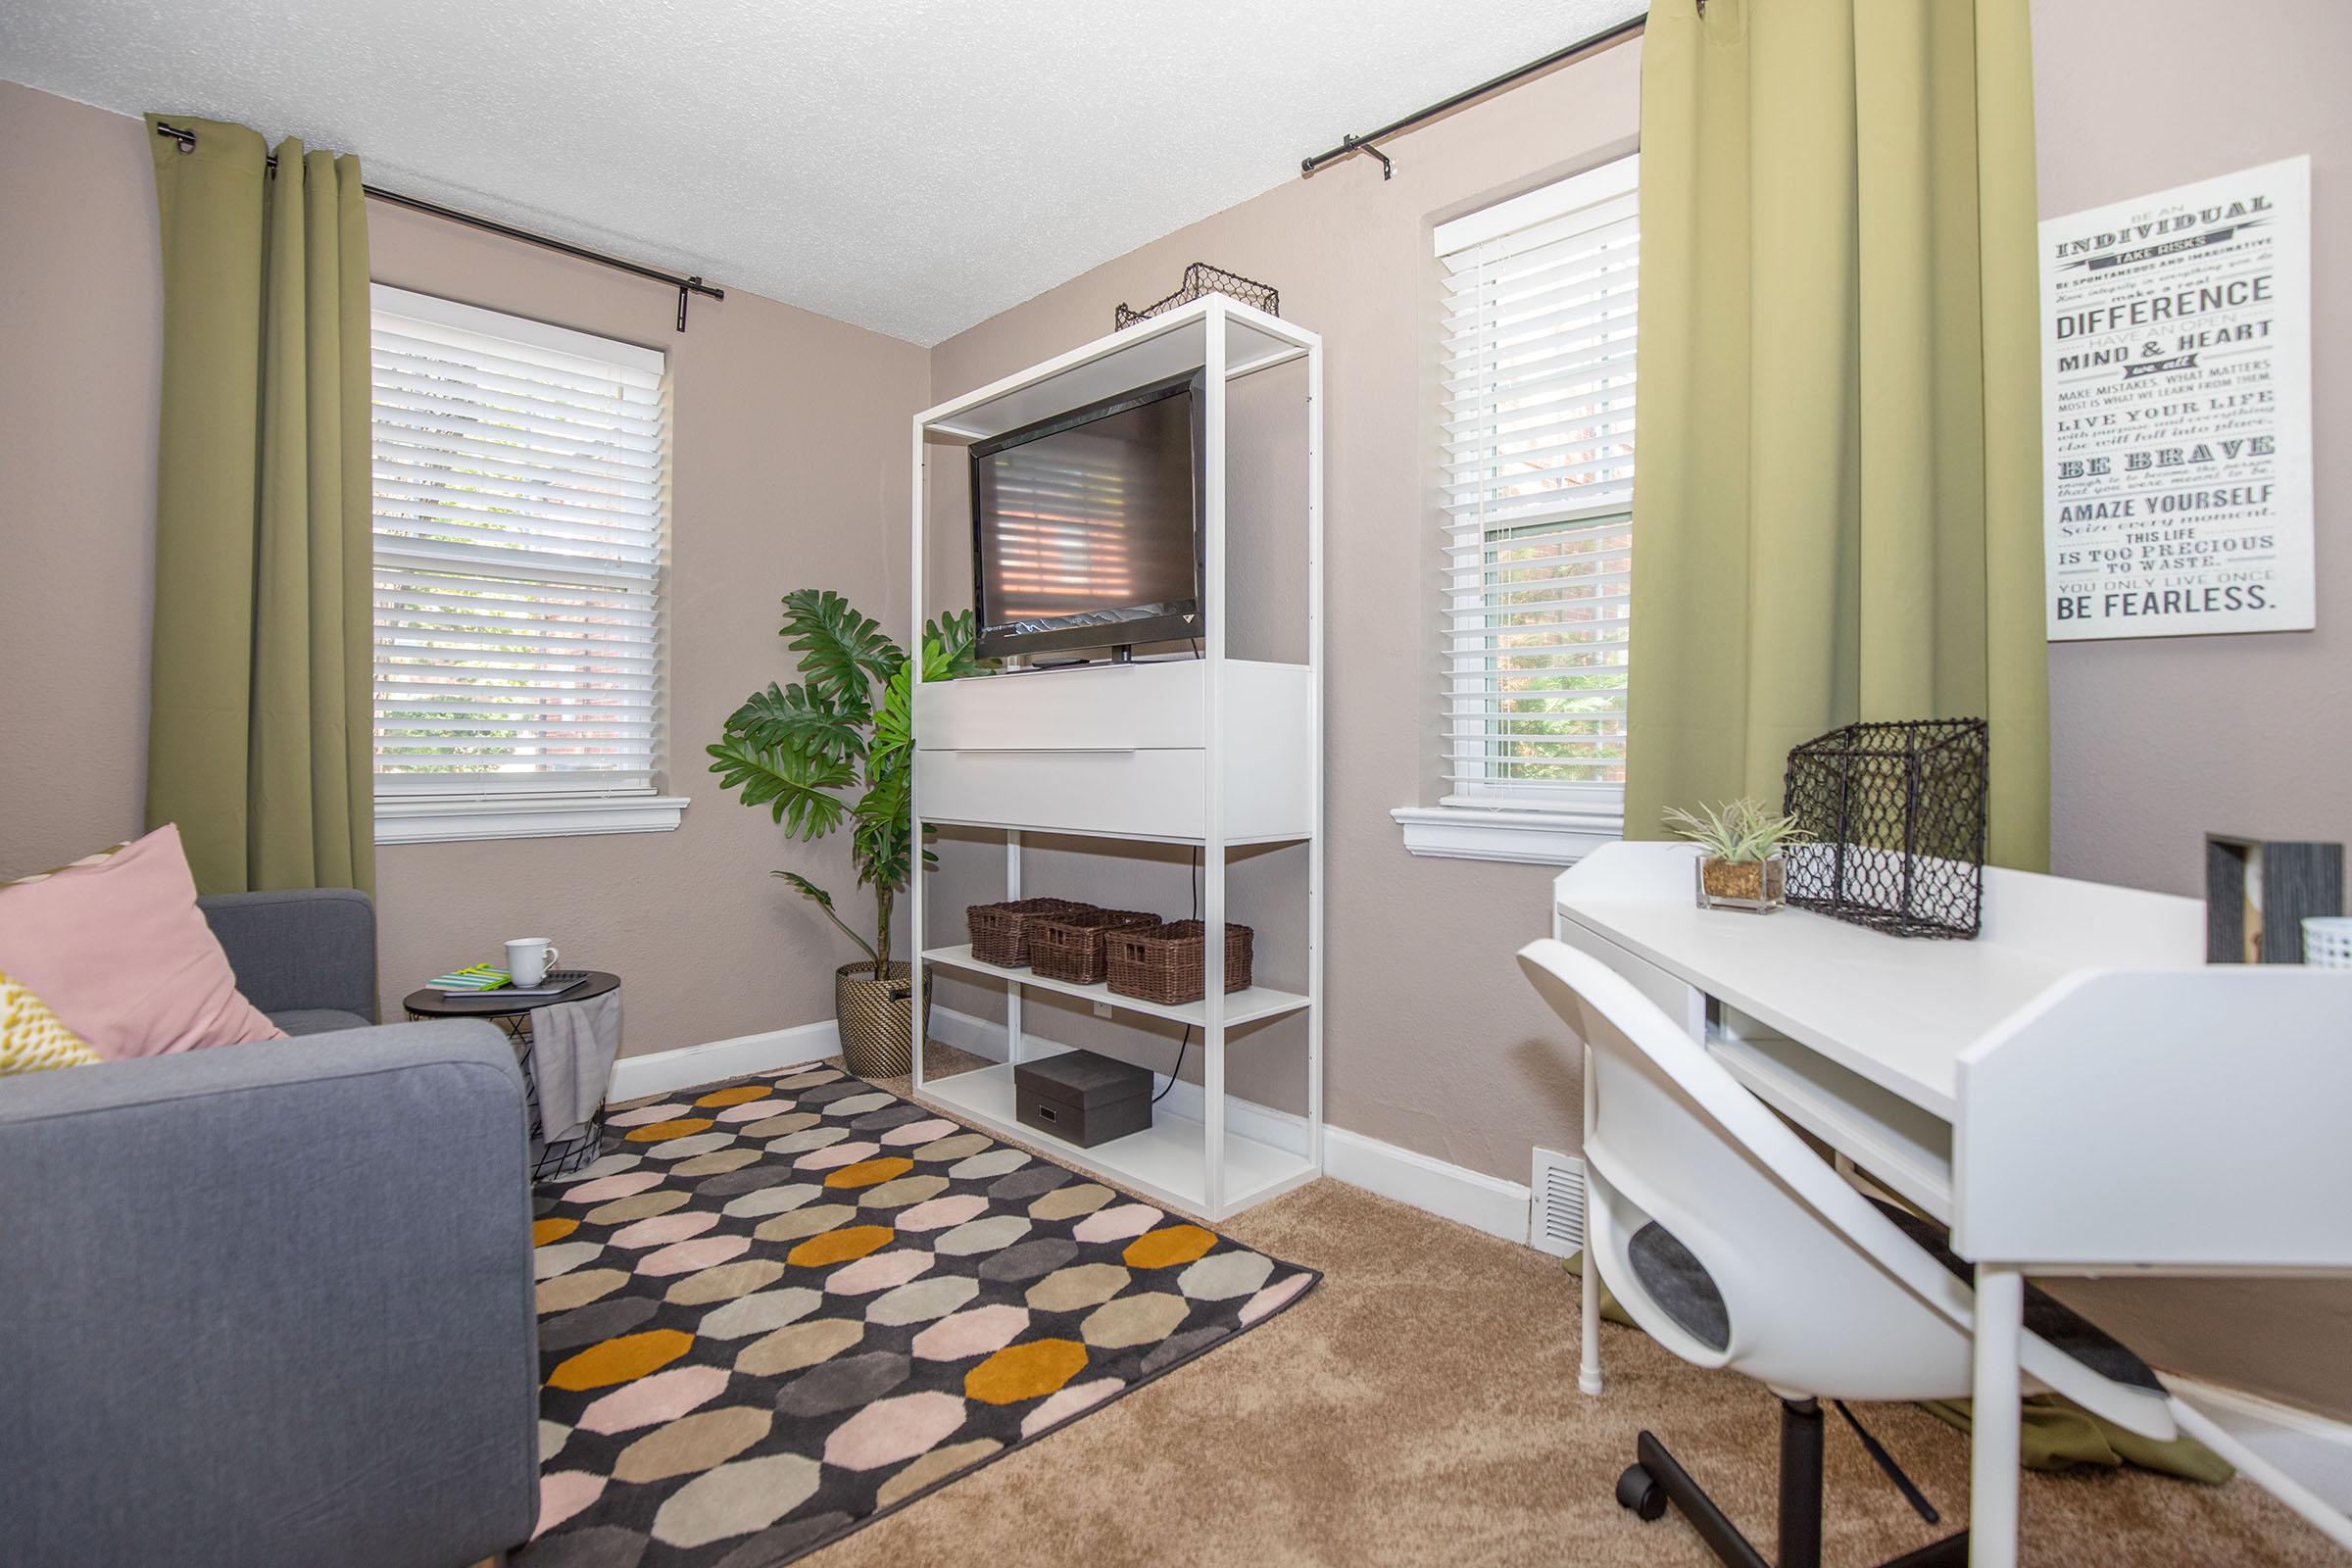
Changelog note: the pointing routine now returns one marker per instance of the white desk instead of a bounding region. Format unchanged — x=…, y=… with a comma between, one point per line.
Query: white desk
x=2082, y=1019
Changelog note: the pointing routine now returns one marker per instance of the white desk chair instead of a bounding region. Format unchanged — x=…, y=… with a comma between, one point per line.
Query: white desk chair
x=1732, y=1244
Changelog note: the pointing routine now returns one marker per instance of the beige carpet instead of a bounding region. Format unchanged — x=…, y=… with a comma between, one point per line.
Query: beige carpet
x=1420, y=1406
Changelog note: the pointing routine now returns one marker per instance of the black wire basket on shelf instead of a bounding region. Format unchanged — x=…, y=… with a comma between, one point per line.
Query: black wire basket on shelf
x=1201, y=278
x=1894, y=819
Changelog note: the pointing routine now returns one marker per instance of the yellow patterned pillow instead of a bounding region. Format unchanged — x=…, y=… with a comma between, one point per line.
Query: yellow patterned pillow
x=32, y=1039
x=70, y=866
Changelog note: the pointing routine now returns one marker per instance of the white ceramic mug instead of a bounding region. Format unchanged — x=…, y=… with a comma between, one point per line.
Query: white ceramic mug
x=530, y=958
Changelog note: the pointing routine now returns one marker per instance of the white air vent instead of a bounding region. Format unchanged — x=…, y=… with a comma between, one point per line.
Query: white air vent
x=1555, y=1220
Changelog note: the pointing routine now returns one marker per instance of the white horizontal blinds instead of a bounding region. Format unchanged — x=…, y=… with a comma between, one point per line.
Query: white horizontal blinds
x=1537, y=475
x=522, y=493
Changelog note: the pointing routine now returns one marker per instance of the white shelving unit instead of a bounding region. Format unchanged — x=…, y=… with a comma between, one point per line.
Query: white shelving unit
x=1215, y=752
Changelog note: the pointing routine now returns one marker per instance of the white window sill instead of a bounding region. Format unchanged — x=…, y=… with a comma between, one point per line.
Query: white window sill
x=1501, y=833
x=429, y=819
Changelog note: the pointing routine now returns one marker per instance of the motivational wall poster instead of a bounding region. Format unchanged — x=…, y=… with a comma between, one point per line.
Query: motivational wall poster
x=2176, y=394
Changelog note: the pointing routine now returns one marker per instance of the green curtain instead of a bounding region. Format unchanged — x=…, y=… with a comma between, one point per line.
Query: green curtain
x=1838, y=498
x=259, y=741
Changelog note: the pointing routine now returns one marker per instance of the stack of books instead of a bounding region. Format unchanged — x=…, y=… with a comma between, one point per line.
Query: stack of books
x=477, y=979
x=474, y=977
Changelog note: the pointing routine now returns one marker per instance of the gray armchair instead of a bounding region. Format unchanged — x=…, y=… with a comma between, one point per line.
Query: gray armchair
x=305, y=956
x=271, y=1304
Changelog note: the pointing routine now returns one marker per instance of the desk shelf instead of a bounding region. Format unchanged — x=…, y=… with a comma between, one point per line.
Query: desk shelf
x=1886, y=1135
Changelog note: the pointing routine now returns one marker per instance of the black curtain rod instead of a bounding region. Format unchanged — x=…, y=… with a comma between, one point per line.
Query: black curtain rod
x=685, y=286
x=1387, y=170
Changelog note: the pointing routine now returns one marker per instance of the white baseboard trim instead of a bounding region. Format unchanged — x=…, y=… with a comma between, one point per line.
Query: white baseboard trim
x=660, y=1072
x=2273, y=1443
x=1452, y=1192
x=982, y=1036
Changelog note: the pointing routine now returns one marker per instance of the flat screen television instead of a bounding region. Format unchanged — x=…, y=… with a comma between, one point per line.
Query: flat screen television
x=1085, y=528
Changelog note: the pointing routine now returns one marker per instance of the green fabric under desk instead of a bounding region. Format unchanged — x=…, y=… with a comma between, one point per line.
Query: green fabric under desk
x=2057, y=1435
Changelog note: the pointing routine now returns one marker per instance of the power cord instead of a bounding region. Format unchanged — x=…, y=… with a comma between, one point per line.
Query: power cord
x=1184, y=1044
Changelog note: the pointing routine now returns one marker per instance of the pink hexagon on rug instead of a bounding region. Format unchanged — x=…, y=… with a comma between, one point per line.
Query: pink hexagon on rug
x=894, y=1430
x=1117, y=1224
x=838, y=1154
x=940, y=1213
x=664, y=1396
x=982, y=1330
x=1272, y=1296
x=1069, y=1402
x=644, y=1115
x=564, y=1494
x=664, y=1228
x=684, y=1257
x=878, y=1272
x=918, y=1132
x=626, y=1184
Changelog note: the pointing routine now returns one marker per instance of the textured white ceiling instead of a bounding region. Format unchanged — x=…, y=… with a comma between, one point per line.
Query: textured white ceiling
x=910, y=165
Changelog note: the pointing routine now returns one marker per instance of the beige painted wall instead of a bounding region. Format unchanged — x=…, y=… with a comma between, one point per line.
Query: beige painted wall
x=789, y=468
x=81, y=365
x=2155, y=741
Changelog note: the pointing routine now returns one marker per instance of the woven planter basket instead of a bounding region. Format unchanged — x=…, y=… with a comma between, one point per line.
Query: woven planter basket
x=1069, y=946
x=877, y=1018
x=1001, y=931
x=1165, y=963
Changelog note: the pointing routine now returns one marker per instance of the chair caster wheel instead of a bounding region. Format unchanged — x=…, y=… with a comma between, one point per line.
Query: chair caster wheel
x=1639, y=1491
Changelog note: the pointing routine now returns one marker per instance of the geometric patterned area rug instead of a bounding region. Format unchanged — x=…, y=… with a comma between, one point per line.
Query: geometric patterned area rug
x=789, y=1305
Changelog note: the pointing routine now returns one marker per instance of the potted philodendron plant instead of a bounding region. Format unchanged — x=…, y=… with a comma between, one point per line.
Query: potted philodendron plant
x=838, y=745
x=1742, y=868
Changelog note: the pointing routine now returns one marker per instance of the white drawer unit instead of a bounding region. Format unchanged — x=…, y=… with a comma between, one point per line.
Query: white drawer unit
x=1148, y=706
x=1119, y=750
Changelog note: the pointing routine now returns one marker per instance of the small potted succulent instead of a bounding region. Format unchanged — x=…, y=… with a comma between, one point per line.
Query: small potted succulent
x=1742, y=868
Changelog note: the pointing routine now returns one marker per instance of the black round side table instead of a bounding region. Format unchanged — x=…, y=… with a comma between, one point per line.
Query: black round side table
x=562, y=1156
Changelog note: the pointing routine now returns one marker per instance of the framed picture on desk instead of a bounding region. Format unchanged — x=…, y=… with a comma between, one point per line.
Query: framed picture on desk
x=2258, y=893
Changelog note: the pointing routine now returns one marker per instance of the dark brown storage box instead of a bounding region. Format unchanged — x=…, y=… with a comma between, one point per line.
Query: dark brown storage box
x=1001, y=931
x=1069, y=946
x=1082, y=1098
x=1166, y=963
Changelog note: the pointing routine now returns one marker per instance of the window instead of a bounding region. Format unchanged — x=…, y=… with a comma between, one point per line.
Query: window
x=522, y=495
x=1535, y=475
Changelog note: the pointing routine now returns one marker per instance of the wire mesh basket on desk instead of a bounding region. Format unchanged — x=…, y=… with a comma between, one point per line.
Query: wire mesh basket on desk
x=1894, y=817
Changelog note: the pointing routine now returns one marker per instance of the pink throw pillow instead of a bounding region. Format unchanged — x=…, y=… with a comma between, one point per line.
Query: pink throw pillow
x=121, y=952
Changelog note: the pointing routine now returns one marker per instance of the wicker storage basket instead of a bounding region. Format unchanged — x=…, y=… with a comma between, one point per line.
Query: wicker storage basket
x=1164, y=963
x=1001, y=931
x=1069, y=946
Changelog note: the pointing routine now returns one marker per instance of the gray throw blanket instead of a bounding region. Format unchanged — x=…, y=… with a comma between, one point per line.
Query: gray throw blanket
x=573, y=1046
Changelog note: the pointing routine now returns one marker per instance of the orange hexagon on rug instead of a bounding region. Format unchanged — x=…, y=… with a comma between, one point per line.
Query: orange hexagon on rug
x=621, y=1360
x=737, y=1095
x=868, y=1172
x=839, y=1246
x=1168, y=1246
x=655, y=1131
x=1024, y=1371
x=544, y=1231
